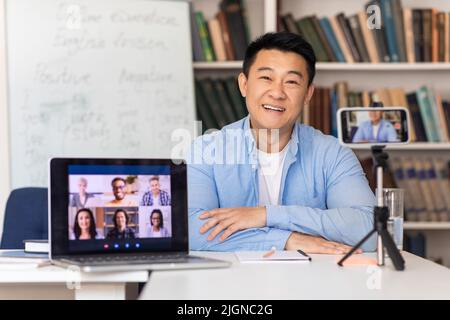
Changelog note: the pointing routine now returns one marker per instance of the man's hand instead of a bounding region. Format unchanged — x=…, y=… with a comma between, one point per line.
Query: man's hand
x=311, y=244
x=231, y=220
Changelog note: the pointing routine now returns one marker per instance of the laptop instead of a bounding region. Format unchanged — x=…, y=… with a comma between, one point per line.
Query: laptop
x=120, y=215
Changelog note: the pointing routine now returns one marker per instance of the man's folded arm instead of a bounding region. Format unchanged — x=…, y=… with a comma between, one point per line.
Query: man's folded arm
x=349, y=201
x=202, y=197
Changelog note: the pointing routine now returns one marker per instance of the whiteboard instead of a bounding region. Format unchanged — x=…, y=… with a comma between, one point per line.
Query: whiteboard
x=95, y=78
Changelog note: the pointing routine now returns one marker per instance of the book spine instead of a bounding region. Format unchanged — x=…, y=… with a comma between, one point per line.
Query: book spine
x=379, y=36
x=325, y=24
x=195, y=36
x=310, y=35
x=322, y=38
x=341, y=40
x=397, y=14
x=343, y=23
x=369, y=39
x=417, y=17
x=409, y=35
x=217, y=40
x=427, y=114
x=226, y=36
x=389, y=29
x=353, y=22
x=204, y=37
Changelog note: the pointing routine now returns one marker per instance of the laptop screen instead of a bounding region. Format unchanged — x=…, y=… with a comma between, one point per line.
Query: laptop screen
x=122, y=207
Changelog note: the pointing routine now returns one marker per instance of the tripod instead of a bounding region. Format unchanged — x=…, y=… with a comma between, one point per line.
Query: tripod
x=381, y=215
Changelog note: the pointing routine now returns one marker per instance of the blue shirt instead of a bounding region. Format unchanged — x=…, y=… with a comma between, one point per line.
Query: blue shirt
x=324, y=191
x=386, y=132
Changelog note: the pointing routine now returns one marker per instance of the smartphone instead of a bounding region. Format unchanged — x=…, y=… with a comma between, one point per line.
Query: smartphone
x=373, y=126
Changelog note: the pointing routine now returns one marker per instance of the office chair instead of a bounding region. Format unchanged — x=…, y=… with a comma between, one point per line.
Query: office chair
x=26, y=217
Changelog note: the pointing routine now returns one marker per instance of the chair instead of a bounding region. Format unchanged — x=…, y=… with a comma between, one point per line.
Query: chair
x=26, y=217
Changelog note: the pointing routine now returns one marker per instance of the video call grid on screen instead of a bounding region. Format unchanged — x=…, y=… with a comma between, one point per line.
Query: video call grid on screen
x=112, y=190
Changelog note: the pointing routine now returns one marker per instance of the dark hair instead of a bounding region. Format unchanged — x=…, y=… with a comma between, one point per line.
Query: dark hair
x=77, y=229
x=160, y=215
x=127, y=218
x=118, y=179
x=283, y=41
x=156, y=178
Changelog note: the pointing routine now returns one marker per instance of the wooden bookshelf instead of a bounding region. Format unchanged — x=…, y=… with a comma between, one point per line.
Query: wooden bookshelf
x=329, y=66
x=423, y=226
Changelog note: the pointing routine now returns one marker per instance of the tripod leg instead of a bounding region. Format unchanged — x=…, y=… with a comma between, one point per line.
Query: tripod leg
x=392, y=250
x=359, y=244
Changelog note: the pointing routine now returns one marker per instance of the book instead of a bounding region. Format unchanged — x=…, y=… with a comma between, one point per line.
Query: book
x=204, y=113
x=353, y=22
x=36, y=246
x=195, y=36
x=217, y=40
x=442, y=121
x=237, y=101
x=343, y=24
x=323, y=39
x=326, y=26
x=427, y=34
x=368, y=36
x=204, y=37
x=233, y=10
x=397, y=14
x=389, y=30
x=307, y=29
x=221, y=17
x=416, y=118
x=409, y=35
x=426, y=112
x=341, y=40
x=224, y=101
x=289, y=23
x=437, y=196
x=417, y=22
x=379, y=35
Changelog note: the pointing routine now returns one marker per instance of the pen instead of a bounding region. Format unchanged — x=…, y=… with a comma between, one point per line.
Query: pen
x=270, y=252
x=303, y=253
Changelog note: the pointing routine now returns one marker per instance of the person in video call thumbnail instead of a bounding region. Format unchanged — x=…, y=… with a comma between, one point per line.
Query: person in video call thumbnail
x=84, y=225
x=121, y=229
x=157, y=229
x=120, y=194
x=81, y=198
x=155, y=196
x=375, y=130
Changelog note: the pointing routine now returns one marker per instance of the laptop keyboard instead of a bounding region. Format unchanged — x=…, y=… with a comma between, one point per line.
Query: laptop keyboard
x=134, y=259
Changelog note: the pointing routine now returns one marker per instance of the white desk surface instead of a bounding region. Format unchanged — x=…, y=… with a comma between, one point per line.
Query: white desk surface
x=320, y=279
x=22, y=281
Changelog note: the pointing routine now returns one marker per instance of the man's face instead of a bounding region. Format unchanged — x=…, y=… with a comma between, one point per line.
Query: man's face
x=276, y=89
x=154, y=186
x=121, y=220
x=375, y=116
x=118, y=189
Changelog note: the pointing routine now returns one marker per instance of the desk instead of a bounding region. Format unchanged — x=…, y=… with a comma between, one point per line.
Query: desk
x=320, y=279
x=58, y=283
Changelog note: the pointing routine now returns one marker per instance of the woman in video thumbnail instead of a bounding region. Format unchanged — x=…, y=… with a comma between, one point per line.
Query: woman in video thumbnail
x=80, y=199
x=375, y=130
x=121, y=231
x=157, y=229
x=84, y=226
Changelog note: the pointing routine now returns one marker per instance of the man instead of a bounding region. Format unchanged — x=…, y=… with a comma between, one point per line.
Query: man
x=312, y=196
x=375, y=130
x=155, y=196
x=120, y=194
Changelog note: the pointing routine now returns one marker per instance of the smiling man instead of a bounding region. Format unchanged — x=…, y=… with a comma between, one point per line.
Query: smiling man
x=267, y=181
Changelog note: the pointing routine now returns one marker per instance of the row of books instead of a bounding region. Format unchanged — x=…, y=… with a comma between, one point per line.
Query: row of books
x=426, y=183
x=430, y=114
x=427, y=187
x=403, y=34
x=218, y=102
x=224, y=37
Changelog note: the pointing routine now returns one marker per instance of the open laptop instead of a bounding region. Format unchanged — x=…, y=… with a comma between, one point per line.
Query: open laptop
x=120, y=215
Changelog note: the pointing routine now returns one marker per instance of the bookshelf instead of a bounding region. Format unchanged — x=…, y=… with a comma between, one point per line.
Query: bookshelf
x=360, y=76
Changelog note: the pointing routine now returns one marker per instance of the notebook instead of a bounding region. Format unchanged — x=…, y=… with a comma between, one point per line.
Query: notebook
x=276, y=256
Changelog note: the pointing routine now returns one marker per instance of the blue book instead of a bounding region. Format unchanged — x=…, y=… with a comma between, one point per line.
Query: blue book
x=331, y=38
x=389, y=29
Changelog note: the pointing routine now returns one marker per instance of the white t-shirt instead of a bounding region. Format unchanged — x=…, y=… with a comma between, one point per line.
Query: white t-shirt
x=269, y=176
x=375, y=130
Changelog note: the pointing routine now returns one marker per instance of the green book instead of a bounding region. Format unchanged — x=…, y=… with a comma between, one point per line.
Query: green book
x=203, y=112
x=204, y=37
x=308, y=31
x=237, y=101
x=426, y=111
x=212, y=100
x=224, y=101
